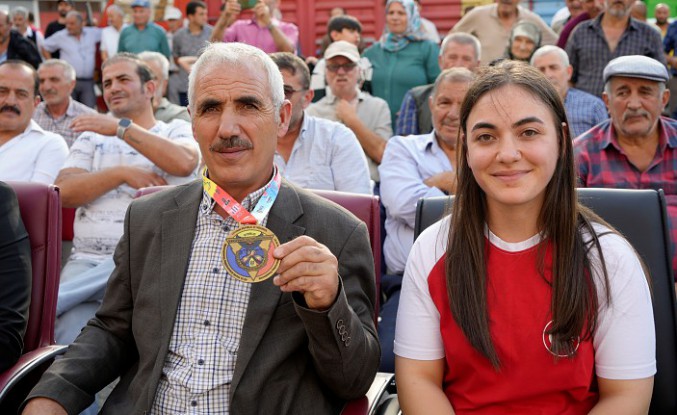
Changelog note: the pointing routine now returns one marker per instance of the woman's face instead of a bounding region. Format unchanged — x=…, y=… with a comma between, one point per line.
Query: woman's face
x=522, y=47
x=396, y=18
x=512, y=149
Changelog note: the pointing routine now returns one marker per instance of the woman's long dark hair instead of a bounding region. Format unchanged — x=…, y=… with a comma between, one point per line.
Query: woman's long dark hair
x=561, y=220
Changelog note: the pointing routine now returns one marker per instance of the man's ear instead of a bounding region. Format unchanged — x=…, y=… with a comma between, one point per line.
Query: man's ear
x=285, y=118
x=308, y=98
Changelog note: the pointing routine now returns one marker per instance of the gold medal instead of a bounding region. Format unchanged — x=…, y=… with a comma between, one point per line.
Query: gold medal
x=247, y=253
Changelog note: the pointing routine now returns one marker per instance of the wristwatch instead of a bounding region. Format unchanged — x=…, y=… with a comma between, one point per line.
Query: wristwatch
x=123, y=125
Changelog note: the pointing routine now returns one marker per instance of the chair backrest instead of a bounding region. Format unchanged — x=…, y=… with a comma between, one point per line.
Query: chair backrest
x=641, y=216
x=365, y=207
x=40, y=207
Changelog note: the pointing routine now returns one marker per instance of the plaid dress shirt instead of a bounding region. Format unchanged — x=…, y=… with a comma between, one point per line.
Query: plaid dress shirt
x=589, y=51
x=200, y=361
x=61, y=126
x=584, y=111
x=601, y=162
x=407, y=119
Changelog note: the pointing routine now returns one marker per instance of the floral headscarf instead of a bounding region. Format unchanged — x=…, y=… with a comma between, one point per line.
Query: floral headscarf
x=392, y=42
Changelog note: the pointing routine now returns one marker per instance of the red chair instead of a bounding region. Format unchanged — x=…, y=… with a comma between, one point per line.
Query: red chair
x=40, y=207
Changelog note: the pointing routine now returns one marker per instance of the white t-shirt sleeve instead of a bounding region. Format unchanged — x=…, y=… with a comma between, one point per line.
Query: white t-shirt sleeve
x=50, y=160
x=625, y=339
x=417, y=334
x=82, y=152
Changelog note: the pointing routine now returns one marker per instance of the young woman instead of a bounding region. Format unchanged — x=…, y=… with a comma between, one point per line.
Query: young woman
x=522, y=301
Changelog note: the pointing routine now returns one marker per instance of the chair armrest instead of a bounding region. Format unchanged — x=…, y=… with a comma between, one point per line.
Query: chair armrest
x=32, y=363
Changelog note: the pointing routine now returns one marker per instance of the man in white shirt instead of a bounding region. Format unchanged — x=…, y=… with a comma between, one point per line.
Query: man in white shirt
x=113, y=157
x=110, y=35
x=316, y=153
x=27, y=152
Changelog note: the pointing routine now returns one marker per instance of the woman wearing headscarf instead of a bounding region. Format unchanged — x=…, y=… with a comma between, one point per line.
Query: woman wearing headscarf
x=525, y=38
x=401, y=59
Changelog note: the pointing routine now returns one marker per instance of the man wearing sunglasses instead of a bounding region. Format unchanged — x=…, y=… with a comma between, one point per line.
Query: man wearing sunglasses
x=316, y=153
x=367, y=116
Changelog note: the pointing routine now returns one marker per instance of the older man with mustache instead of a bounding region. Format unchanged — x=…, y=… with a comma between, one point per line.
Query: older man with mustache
x=636, y=148
x=27, y=152
x=58, y=110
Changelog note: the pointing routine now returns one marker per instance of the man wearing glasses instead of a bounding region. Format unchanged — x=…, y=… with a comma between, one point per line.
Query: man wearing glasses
x=316, y=153
x=367, y=116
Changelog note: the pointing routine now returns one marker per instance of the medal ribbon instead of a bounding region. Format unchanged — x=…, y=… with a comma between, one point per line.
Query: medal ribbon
x=235, y=209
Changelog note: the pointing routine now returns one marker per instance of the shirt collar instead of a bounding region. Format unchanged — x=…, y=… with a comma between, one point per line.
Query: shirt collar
x=597, y=22
x=273, y=21
x=333, y=98
x=494, y=11
x=429, y=142
x=207, y=204
x=667, y=135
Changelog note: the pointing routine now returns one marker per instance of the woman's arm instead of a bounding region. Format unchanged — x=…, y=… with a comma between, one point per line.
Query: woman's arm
x=419, y=386
x=620, y=397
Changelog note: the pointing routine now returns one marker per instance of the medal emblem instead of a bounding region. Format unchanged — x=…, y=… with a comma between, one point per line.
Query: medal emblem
x=248, y=253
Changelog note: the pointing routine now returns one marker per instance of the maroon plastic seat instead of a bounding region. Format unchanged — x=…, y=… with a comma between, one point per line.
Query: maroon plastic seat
x=40, y=207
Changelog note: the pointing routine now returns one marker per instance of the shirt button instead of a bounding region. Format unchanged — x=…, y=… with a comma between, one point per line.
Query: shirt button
x=206, y=322
x=193, y=403
x=200, y=362
x=215, y=270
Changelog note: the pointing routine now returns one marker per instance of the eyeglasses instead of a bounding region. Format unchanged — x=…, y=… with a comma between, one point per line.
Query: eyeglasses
x=347, y=67
x=289, y=91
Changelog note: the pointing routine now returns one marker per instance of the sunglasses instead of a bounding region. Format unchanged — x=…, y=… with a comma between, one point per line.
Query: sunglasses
x=347, y=67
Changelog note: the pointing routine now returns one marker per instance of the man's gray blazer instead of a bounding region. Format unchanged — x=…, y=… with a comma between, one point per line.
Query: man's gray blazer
x=290, y=360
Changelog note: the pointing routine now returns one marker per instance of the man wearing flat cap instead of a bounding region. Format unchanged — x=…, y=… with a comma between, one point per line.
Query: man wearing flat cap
x=637, y=147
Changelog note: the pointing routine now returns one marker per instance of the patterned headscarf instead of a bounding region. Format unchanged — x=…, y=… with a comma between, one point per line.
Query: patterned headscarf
x=392, y=42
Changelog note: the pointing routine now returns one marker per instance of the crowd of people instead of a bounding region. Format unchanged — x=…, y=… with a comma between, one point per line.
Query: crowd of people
x=506, y=112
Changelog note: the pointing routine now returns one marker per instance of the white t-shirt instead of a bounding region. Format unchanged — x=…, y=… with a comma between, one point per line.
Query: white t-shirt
x=624, y=342
x=110, y=38
x=99, y=224
x=35, y=155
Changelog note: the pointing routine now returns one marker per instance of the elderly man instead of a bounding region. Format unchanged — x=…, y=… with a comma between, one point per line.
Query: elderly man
x=367, y=116
x=315, y=153
x=115, y=155
x=413, y=167
x=612, y=34
x=188, y=42
x=492, y=24
x=58, y=109
x=636, y=148
x=27, y=152
x=20, y=22
x=77, y=45
x=263, y=30
x=190, y=331
x=459, y=50
x=584, y=110
x=14, y=46
x=110, y=35
x=163, y=109
x=142, y=34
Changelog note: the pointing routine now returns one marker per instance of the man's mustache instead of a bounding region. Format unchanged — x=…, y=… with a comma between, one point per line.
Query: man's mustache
x=12, y=108
x=231, y=142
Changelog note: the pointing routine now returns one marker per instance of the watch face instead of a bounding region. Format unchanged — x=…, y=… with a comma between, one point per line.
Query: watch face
x=125, y=122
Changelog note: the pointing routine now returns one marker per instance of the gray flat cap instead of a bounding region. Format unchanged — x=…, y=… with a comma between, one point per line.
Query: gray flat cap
x=636, y=66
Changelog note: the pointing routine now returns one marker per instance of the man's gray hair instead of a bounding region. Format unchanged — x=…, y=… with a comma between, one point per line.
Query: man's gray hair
x=227, y=55
x=68, y=70
x=463, y=39
x=158, y=58
x=117, y=9
x=547, y=49
x=464, y=75
x=76, y=14
x=20, y=11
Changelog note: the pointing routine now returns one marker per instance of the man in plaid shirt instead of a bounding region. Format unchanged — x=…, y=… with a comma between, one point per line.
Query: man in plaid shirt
x=636, y=148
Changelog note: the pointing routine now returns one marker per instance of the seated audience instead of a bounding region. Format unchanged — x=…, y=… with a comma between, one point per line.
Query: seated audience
x=522, y=300
x=613, y=33
x=13, y=46
x=459, y=50
x=345, y=28
x=401, y=59
x=315, y=153
x=77, y=45
x=15, y=278
x=492, y=25
x=368, y=117
x=264, y=30
x=413, y=167
x=636, y=148
x=58, y=109
x=164, y=110
x=27, y=152
x=302, y=342
x=584, y=110
x=115, y=155
x=525, y=38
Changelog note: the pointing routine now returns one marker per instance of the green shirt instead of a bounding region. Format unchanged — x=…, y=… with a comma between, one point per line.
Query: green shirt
x=395, y=73
x=152, y=38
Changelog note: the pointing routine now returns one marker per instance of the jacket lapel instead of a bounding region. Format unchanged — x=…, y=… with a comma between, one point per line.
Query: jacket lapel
x=265, y=296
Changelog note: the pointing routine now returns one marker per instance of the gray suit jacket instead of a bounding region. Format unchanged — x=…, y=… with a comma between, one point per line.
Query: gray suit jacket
x=290, y=359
